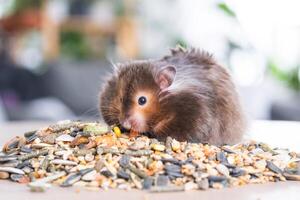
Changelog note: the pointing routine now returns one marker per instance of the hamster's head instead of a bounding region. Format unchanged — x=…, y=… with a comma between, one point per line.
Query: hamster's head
x=131, y=97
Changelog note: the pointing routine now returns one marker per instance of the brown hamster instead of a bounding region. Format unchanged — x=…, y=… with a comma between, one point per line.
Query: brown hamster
x=185, y=95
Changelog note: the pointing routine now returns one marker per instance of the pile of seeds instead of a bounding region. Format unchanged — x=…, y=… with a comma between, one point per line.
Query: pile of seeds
x=94, y=156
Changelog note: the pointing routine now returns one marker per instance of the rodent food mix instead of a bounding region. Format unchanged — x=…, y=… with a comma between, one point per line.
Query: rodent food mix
x=93, y=155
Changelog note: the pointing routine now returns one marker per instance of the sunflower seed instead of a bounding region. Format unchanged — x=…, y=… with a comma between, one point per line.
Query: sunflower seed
x=62, y=162
x=73, y=178
x=65, y=138
x=33, y=155
x=7, y=158
x=292, y=177
x=222, y=169
x=145, y=152
x=236, y=172
x=12, y=170
x=89, y=176
x=273, y=167
x=122, y=174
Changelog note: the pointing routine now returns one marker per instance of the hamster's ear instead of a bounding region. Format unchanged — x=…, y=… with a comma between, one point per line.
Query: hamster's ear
x=165, y=77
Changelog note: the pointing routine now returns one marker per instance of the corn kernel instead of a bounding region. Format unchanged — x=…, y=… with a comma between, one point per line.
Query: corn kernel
x=117, y=131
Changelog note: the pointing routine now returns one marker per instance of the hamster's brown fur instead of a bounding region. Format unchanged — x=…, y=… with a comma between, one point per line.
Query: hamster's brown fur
x=189, y=97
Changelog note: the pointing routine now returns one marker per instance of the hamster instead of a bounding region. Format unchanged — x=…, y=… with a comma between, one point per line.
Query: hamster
x=185, y=95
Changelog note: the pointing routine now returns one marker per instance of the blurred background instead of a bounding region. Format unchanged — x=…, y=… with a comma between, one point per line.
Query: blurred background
x=55, y=53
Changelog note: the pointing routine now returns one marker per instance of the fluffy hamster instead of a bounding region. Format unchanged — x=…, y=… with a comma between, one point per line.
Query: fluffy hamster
x=185, y=95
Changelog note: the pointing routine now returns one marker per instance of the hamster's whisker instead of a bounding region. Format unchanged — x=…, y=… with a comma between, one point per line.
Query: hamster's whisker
x=93, y=112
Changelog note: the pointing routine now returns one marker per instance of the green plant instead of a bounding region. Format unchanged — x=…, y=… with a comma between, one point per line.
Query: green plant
x=226, y=9
x=20, y=5
x=74, y=45
x=178, y=41
x=289, y=78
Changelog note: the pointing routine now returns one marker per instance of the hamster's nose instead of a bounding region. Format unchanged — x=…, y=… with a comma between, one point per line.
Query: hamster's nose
x=126, y=124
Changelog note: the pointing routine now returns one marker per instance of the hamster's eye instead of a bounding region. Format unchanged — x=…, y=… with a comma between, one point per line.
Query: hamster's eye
x=142, y=100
